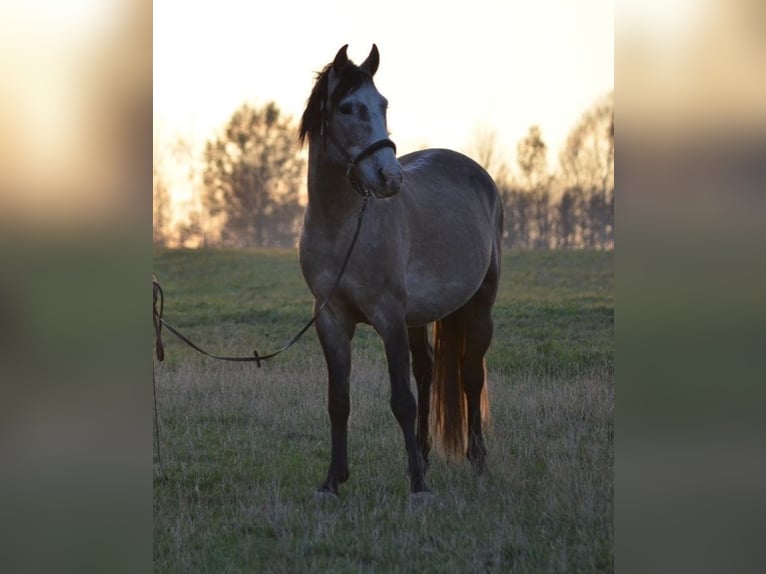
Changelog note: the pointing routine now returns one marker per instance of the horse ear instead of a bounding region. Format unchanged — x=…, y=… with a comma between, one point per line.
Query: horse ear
x=370, y=65
x=341, y=59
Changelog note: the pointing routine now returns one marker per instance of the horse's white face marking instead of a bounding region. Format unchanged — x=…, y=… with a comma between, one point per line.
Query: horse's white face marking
x=360, y=118
x=358, y=121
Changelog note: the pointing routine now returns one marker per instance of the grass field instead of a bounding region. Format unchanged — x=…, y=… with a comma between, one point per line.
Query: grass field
x=244, y=448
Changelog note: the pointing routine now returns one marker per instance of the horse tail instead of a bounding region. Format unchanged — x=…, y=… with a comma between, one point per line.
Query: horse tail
x=449, y=421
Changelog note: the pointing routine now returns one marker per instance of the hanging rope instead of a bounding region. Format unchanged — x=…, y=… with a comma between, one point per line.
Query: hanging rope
x=159, y=321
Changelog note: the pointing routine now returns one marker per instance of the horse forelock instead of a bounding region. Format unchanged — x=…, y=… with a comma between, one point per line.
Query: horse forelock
x=350, y=79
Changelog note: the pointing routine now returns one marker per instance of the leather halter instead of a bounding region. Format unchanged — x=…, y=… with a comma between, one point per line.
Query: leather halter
x=353, y=161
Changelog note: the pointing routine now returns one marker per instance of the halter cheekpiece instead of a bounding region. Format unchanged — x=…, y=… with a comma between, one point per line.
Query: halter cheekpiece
x=352, y=161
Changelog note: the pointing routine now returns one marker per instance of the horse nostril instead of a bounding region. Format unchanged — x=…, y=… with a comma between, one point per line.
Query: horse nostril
x=389, y=178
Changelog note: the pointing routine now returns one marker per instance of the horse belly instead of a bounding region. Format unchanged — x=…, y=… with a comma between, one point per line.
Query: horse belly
x=432, y=295
x=452, y=206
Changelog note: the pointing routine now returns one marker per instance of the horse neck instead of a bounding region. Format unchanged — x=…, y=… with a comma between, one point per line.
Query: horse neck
x=330, y=195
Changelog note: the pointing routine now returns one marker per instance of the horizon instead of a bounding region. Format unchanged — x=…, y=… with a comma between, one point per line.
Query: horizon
x=444, y=89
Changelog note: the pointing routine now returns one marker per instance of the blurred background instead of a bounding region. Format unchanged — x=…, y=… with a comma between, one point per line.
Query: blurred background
x=526, y=88
x=75, y=260
x=79, y=153
x=690, y=465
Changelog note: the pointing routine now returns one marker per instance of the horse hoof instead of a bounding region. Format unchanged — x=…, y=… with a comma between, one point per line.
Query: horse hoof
x=322, y=495
x=478, y=460
x=422, y=497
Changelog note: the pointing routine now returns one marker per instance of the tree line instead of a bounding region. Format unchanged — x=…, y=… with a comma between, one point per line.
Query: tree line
x=573, y=208
x=247, y=187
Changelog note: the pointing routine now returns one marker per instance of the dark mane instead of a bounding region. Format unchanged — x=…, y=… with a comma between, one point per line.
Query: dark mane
x=352, y=77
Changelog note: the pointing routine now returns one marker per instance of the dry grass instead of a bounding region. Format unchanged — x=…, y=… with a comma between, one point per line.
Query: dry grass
x=244, y=449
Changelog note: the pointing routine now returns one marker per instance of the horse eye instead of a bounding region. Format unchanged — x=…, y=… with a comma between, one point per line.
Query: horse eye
x=345, y=109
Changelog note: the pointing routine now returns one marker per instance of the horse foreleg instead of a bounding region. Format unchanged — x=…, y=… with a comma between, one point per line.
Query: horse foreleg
x=403, y=404
x=422, y=369
x=335, y=338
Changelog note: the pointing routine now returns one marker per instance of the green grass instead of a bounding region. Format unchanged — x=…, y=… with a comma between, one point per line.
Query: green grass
x=244, y=448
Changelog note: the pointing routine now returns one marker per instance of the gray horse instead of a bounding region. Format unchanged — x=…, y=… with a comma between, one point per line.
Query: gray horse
x=428, y=252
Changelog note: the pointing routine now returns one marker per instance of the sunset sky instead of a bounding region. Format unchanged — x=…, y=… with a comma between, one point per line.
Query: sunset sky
x=448, y=69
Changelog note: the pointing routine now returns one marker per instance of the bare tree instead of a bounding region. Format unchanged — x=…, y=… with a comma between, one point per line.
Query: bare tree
x=532, y=158
x=587, y=165
x=567, y=219
x=587, y=159
x=160, y=210
x=192, y=230
x=518, y=209
x=195, y=228
x=485, y=151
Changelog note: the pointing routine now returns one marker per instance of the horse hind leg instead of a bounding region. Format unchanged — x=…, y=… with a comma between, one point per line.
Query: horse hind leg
x=475, y=389
x=479, y=328
x=422, y=369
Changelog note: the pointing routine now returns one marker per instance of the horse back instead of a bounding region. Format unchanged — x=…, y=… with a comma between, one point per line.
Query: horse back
x=454, y=215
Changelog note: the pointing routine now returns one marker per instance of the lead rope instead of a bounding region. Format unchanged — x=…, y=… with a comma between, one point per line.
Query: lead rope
x=158, y=296
x=159, y=320
x=157, y=428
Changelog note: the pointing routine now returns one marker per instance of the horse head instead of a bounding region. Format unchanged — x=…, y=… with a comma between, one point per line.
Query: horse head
x=348, y=111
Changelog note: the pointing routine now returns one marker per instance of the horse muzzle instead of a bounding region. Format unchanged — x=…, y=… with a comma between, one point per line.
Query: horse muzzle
x=389, y=182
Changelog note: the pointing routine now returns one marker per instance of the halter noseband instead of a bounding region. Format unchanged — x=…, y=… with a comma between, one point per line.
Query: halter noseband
x=353, y=161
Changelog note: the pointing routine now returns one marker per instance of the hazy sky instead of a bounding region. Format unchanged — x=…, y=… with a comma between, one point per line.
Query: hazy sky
x=447, y=68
